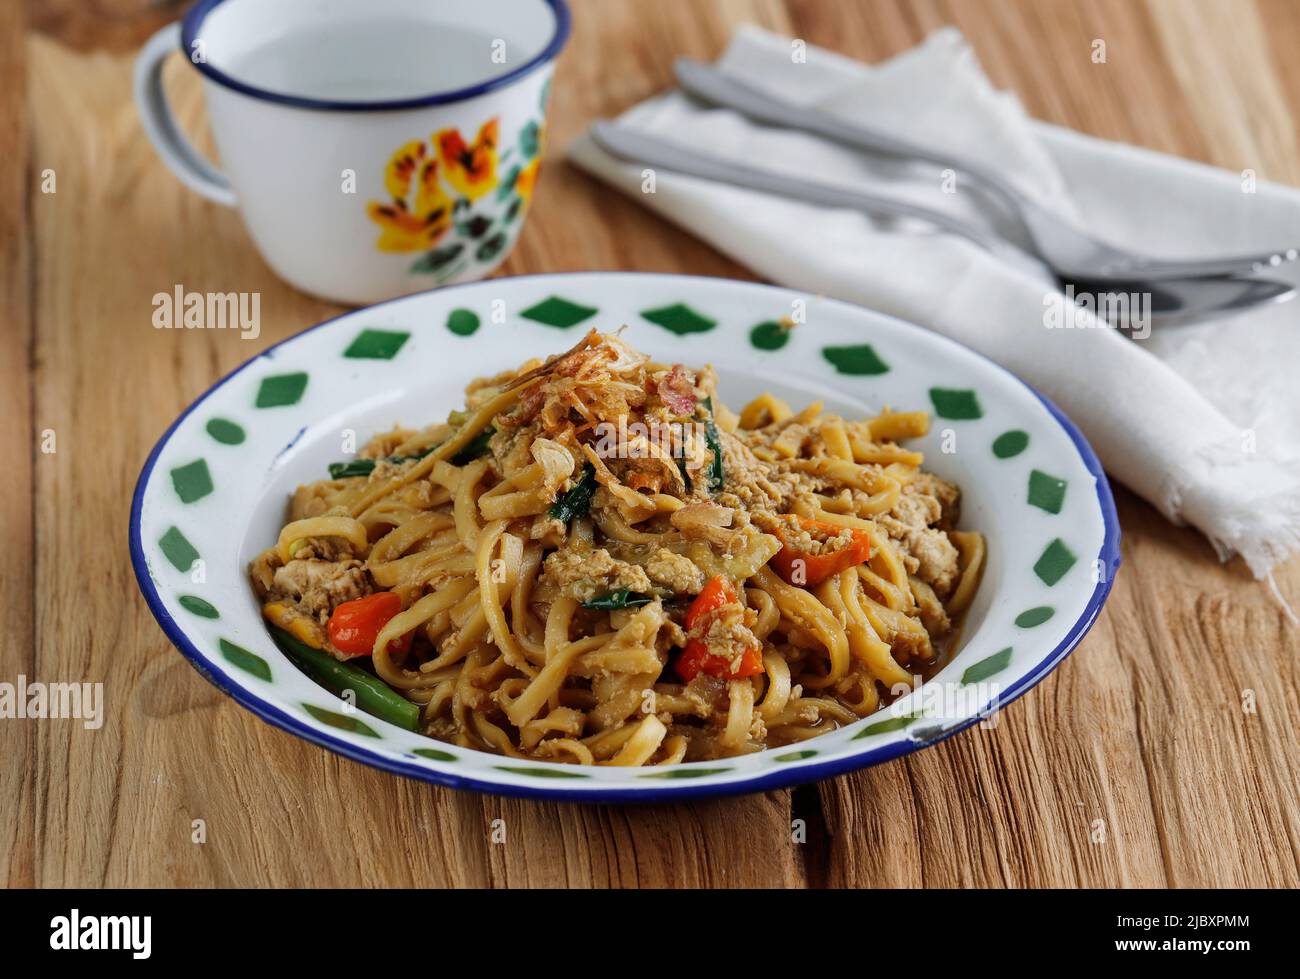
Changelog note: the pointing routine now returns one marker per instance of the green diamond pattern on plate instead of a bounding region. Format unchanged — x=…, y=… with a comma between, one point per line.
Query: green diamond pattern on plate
x=192, y=481
x=225, y=431
x=796, y=755
x=680, y=319
x=279, y=390
x=343, y=722
x=769, y=336
x=540, y=772
x=246, y=661
x=885, y=726
x=686, y=773
x=987, y=667
x=1046, y=492
x=463, y=322
x=1034, y=616
x=433, y=753
x=200, y=607
x=860, y=359
x=1010, y=443
x=376, y=345
x=177, y=549
x=559, y=312
x=1055, y=561
x=957, y=404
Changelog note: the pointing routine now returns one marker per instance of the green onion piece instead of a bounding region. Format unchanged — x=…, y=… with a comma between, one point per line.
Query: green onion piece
x=614, y=600
x=364, y=467
x=577, y=501
x=357, y=467
x=475, y=447
x=372, y=695
x=714, y=442
x=686, y=476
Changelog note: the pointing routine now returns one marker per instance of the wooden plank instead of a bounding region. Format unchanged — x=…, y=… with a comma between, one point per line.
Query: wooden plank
x=20, y=777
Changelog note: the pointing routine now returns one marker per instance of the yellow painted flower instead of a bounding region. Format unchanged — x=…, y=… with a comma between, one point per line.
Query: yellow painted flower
x=470, y=168
x=410, y=225
x=527, y=180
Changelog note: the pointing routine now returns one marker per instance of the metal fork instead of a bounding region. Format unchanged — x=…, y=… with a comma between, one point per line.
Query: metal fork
x=1072, y=253
x=1171, y=300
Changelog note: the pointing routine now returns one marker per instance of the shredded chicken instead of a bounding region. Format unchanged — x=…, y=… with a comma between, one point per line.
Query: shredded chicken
x=316, y=588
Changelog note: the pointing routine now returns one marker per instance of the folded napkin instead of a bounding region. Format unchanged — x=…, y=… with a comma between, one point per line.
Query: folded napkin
x=1200, y=420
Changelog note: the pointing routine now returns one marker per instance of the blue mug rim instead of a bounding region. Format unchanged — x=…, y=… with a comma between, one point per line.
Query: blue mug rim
x=198, y=13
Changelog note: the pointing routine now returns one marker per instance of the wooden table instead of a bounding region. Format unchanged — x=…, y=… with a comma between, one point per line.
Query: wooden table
x=1134, y=764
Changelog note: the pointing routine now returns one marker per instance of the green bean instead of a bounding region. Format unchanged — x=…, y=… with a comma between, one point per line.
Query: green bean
x=372, y=695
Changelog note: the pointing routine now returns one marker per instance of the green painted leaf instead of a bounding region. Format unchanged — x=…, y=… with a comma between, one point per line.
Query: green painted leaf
x=885, y=726
x=686, y=773
x=225, y=432
x=680, y=319
x=987, y=667
x=512, y=212
x=491, y=248
x=192, y=481
x=1046, y=492
x=541, y=772
x=956, y=404
x=246, y=661
x=279, y=390
x=796, y=755
x=437, y=259
x=376, y=345
x=475, y=227
x=434, y=753
x=507, y=186
x=859, y=360
x=177, y=549
x=1055, y=562
x=559, y=312
x=344, y=722
x=1034, y=616
x=1010, y=443
x=201, y=608
x=546, y=94
x=463, y=322
x=530, y=140
x=769, y=336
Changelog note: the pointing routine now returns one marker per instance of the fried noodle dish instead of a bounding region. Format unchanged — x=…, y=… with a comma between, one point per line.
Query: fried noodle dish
x=597, y=562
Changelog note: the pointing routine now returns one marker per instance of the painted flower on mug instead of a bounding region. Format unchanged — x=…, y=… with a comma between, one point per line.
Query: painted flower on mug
x=470, y=167
x=527, y=180
x=420, y=212
x=458, y=202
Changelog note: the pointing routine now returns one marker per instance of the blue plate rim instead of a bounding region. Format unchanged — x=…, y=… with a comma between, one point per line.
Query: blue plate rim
x=779, y=779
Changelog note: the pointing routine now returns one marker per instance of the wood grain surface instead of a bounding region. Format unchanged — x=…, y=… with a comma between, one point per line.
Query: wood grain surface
x=1134, y=764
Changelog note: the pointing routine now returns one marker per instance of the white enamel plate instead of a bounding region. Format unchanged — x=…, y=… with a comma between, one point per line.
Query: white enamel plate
x=214, y=493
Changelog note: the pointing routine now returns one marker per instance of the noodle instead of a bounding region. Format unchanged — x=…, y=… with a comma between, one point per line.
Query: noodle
x=714, y=584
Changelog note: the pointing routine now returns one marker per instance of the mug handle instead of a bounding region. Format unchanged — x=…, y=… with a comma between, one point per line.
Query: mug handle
x=160, y=124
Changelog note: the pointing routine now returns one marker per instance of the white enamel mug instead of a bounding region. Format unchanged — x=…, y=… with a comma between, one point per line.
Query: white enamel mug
x=372, y=147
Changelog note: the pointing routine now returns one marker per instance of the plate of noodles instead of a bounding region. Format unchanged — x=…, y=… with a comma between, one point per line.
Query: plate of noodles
x=619, y=537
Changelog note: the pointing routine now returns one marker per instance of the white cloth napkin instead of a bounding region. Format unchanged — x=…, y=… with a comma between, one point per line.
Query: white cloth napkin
x=1199, y=420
